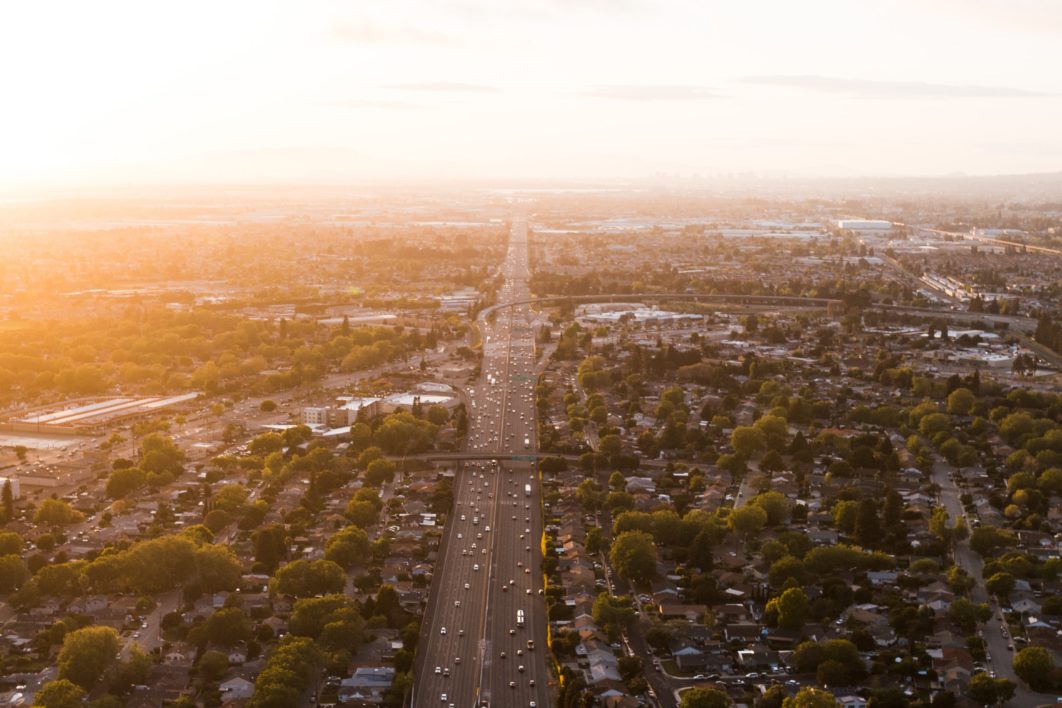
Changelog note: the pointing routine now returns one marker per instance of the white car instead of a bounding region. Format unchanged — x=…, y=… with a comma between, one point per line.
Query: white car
x=442, y=630
x=474, y=567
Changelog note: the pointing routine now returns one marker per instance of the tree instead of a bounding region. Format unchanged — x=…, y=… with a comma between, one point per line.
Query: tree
x=773, y=697
x=633, y=555
x=133, y=671
x=595, y=541
x=379, y=472
x=590, y=497
x=989, y=691
x=747, y=441
x=785, y=568
x=228, y=626
x=286, y=673
x=832, y=673
x=704, y=698
x=216, y=520
x=213, y=665
x=701, y=552
x=611, y=612
x=266, y=443
x=348, y=547
x=8, y=501
x=774, y=504
x=231, y=498
x=123, y=482
x=868, y=527
x=159, y=454
x=986, y=540
x=87, y=654
x=56, y=512
x=747, y=520
x=809, y=655
x=271, y=546
x=934, y=423
x=362, y=513
x=961, y=401
x=217, y=568
x=13, y=573
x=939, y=526
x=791, y=608
x=611, y=446
x=1001, y=585
x=775, y=431
x=1033, y=665
x=360, y=436
x=61, y=693
x=845, y=513
x=10, y=543
x=311, y=617
x=304, y=578
x=966, y=614
x=808, y=697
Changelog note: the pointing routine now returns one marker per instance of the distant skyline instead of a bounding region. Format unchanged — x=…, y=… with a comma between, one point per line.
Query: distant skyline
x=110, y=93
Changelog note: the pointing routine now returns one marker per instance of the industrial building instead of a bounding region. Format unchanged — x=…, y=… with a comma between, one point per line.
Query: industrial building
x=875, y=225
x=90, y=415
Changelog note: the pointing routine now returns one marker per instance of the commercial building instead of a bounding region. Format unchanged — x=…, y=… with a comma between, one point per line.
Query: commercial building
x=346, y=410
x=88, y=415
x=858, y=225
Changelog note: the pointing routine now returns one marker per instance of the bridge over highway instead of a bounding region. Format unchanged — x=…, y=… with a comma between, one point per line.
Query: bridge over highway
x=1015, y=322
x=470, y=456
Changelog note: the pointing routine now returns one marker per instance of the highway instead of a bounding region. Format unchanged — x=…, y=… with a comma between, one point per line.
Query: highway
x=472, y=650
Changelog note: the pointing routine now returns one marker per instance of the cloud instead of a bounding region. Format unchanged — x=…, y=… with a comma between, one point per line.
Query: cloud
x=365, y=32
x=649, y=92
x=372, y=103
x=445, y=87
x=1034, y=16
x=889, y=89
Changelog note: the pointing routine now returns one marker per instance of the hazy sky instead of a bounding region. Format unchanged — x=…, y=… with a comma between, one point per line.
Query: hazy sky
x=99, y=92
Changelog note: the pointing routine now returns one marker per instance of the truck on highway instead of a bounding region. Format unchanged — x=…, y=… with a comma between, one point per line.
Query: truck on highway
x=527, y=490
x=519, y=618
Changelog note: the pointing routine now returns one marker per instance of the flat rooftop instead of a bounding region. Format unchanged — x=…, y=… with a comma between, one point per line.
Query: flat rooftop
x=101, y=411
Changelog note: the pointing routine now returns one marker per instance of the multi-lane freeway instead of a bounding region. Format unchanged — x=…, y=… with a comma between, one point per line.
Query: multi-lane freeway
x=484, y=635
